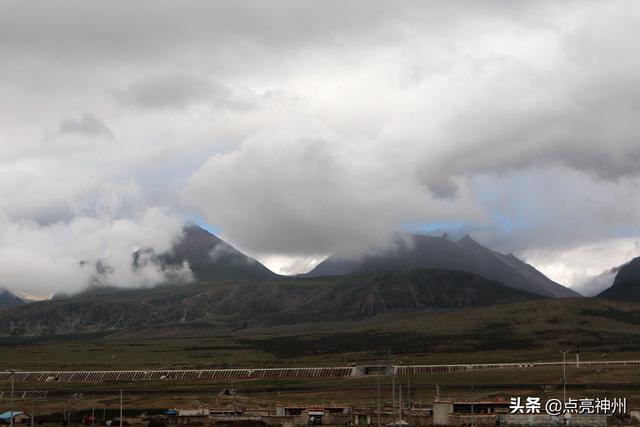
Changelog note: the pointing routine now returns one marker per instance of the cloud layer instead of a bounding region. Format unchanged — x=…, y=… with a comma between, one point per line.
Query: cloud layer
x=86, y=250
x=304, y=128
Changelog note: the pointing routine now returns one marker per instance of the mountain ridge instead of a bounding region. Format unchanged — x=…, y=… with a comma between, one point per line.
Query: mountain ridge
x=422, y=251
x=211, y=258
x=232, y=304
x=9, y=300
x=626, y=285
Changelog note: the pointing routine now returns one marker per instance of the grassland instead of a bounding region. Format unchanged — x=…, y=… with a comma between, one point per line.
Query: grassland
x=525, y=331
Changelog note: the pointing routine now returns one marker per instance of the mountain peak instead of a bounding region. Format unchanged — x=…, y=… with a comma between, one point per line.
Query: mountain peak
x=468, y=240
x=431, y=252
x=626, y=284
x=211, y=258
x=8, y=299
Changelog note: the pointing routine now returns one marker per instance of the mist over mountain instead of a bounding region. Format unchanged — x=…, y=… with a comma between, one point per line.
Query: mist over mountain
x=428, y=252
x=594, y=285
x=8, y=300
x=626, y=285
x=211, y=258
x=195, y=256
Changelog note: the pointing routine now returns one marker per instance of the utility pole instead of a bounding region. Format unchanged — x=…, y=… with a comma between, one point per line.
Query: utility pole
x=409, y=401
x=120, y=407
x=234, y=399
x=378, y=383
x=400, y=404
x=564, y=375
x=393, y=396
x=472, y=414
x=13, y=379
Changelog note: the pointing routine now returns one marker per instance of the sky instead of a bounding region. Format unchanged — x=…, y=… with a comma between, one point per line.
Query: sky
x=298, y=129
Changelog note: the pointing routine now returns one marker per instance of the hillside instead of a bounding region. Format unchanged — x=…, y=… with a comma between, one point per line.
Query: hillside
x=233, y=304
x=211, y=258
x=530, y=330
x=626, y=285
x=8, y=300
x=420, y=252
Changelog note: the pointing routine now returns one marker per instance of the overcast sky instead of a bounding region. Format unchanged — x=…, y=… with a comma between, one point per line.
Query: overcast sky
x=297, y=129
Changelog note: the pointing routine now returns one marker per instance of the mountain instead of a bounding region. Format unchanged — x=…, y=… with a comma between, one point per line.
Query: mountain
x=211, y=258
x=626, y=285
x=234, y=304
x=8, y=300
x=424, y=252
x=207, y=257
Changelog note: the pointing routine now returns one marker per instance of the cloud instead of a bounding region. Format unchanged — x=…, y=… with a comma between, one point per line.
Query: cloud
x=179, y=91
x=587, y=267
x=300, y=128
x=62, y=256
x=298, y=191
x=88, y=124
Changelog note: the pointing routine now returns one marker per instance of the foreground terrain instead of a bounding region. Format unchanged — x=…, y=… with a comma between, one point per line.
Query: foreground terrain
x=531, y=330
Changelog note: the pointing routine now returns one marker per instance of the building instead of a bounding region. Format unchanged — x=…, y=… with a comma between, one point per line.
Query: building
x=458, y=412
x=312, y=415
x=489, y=413
x=583, y=420
x=18, y=417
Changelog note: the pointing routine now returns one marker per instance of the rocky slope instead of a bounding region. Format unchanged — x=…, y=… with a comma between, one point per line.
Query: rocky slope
x=211, y=258
x=626, y=285
x=419, y=252
x=234, y=304
x=8, y=300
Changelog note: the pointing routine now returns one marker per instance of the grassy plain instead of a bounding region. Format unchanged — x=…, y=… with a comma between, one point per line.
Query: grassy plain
x=526, y=331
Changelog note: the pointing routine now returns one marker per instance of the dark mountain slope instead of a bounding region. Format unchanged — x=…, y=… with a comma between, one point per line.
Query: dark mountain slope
x=285, y=301
x=210, y=258
x=420, y=252
x=8, y=300
x=626, y=285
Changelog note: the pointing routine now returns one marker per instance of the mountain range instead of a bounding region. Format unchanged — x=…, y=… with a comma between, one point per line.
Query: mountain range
x=233, y=304
x=424, y=252
x=232, y=290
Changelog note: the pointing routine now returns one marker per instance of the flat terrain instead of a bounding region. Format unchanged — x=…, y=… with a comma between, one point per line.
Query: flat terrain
x=524, y=331
x=490, y=384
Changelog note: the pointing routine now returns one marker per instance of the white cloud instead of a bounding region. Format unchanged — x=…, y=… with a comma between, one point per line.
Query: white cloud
x=577, y=266
x=307, y=191
x=46, y=259
x=302, y=128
